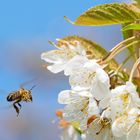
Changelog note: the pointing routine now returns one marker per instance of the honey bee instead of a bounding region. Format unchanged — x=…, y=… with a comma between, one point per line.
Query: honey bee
x=20, y=95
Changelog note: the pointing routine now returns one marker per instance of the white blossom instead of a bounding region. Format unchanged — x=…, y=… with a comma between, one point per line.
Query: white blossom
x=123, y=98
x=100, y=129
x=59, y=58
x=79, y=107
x=91, y=107
x=69, y=133
x=87, y=136
x=91, y=77
x=128, y=124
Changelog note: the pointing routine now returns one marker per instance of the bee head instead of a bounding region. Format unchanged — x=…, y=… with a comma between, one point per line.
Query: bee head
x=31, y=99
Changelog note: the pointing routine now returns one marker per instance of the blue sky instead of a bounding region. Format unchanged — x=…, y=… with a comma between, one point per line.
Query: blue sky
x=29, y=23
x=27, y=19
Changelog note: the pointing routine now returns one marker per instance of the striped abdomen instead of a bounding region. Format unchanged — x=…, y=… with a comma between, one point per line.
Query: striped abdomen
x=13, y=96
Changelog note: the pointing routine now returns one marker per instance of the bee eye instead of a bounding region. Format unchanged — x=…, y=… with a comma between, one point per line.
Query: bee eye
x=31, y=98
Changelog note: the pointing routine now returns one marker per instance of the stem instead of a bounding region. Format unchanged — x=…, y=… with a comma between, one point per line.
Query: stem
x=125, y=47
x=53, y=44
x=137, y=51
x=118, y=48
x=137, y=46
x=139, y=69
x=122, y=43
x=68, y=20
x=133, y=69
x=124, y=62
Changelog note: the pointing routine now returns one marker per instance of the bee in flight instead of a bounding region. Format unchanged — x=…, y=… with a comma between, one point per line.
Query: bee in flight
x=20, y=95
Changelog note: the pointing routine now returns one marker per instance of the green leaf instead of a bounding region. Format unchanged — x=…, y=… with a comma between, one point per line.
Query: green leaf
x=93, y=50
x=136, y=81
x=138, y=1
x=109, y=14
x=132, y=26
x=127, y=34
x=129, y=30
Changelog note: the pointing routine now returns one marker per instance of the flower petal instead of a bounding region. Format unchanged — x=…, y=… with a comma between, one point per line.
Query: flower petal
x=92, y=65
x=131, y=88
x=55, y=56
x=134, y=134
x=104, y=103
x=75, y=64
x=118, y=127
x=93, y=109
x=80, y=80
x=69, y=133
x=87, y=137
x=64, y=97
x=56, y=68
x=100, y=85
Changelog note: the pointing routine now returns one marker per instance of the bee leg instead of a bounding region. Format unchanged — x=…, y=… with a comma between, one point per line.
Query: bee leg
x=16, y=108
x=20, y=105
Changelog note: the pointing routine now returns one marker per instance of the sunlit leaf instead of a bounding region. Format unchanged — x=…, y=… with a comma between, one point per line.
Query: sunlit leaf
x=93, y=50
x=109, y=14
x=133, y=26
x=138, y=1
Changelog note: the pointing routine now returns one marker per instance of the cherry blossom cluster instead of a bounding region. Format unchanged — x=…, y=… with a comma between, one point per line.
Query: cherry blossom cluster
x=94, y=109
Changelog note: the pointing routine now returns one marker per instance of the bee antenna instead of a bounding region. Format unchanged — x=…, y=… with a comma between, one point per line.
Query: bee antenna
x=33, y=87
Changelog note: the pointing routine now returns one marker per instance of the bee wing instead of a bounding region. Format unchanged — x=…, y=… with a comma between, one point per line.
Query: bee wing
x=4, y=92
x=28, y=82
x=14, y=92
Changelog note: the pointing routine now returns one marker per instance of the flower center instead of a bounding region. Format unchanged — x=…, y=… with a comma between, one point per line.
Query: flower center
x=105, y=121
x=125, y=98
x=85, y=106
x=91, y=75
